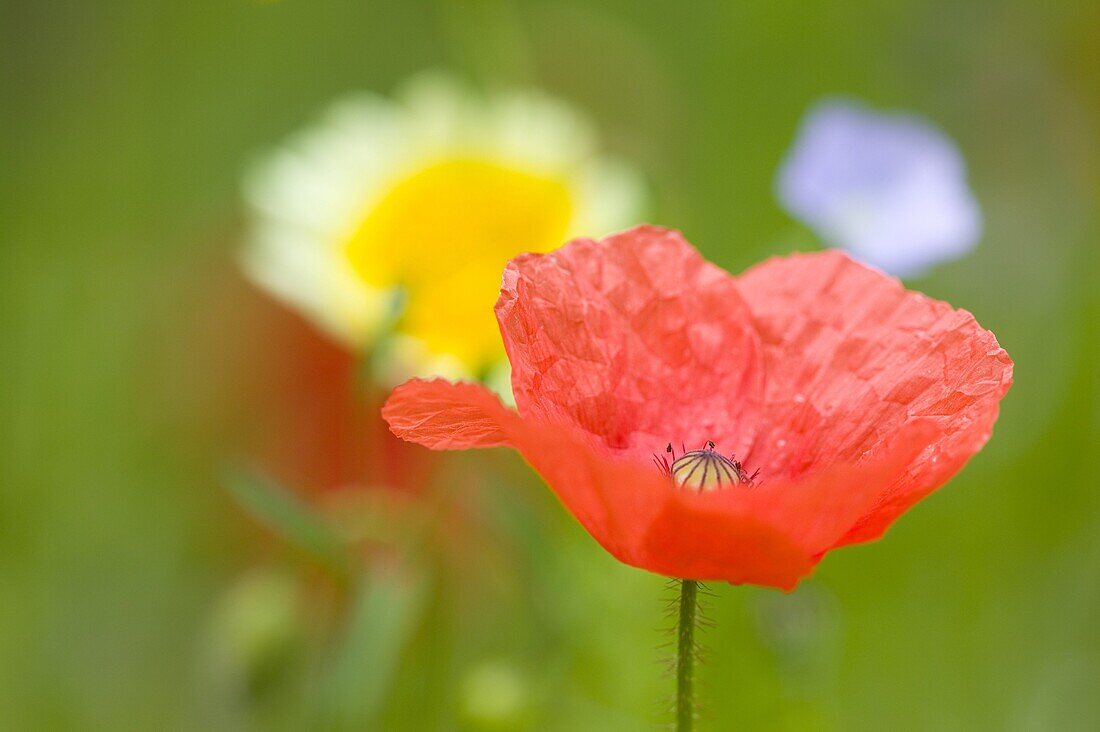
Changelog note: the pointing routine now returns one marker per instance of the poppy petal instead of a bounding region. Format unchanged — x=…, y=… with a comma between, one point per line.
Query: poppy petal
x=632, y=510
x=774, y=533
x=771, y=534
x=636, y=339
x=441, y=415
x=641, y=518
x=851, y=357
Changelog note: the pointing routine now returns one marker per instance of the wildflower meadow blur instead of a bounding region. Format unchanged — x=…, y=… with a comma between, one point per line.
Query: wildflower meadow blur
x=232, y=229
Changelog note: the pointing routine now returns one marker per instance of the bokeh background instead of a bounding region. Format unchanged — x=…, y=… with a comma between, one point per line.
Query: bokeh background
x=146, y=582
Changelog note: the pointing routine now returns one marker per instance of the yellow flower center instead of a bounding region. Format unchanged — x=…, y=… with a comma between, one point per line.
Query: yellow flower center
x=445, y=234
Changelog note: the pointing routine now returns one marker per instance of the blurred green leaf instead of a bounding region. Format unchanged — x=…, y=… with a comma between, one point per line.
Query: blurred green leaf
x=388, y=608
x=289, y=517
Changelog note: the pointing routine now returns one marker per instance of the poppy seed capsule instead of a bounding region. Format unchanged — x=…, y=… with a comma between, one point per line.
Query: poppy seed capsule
x=706, y=470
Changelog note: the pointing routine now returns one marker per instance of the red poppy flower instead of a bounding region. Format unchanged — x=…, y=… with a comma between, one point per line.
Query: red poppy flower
x=852, y=398
x=294, y=398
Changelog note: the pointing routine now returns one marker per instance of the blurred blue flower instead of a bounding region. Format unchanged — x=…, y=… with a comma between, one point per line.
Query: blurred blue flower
x=889, y=188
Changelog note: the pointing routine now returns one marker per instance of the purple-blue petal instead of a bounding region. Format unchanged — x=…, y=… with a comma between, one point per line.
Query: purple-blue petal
x=889, y=188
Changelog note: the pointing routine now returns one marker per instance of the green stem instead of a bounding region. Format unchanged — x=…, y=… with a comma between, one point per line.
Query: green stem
x=490, y=39
x=685, y=656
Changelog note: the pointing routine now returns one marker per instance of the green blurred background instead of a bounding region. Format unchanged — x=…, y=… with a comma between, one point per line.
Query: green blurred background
x=136, y=593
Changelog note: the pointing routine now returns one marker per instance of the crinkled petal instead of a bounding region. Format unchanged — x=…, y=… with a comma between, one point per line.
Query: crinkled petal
x=775, y=532
x=635, y=339
x=442, y=415
x=851, y=357
x=771, y=534
x=632, y=510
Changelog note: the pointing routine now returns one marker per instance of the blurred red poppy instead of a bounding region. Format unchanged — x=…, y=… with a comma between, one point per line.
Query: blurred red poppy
x=853, y=398
x=304, y=413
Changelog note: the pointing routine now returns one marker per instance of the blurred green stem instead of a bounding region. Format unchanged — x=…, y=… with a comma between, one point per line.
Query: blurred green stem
x=685, y=656
x=490, y=41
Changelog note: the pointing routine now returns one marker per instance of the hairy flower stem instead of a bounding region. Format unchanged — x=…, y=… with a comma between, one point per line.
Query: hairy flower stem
x=685, y=656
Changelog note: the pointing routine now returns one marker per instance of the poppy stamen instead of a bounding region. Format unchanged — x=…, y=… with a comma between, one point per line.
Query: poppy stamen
x=704, y=469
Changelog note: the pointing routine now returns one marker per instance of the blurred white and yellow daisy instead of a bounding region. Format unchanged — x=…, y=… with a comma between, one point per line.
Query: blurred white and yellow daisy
x=389, y=222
